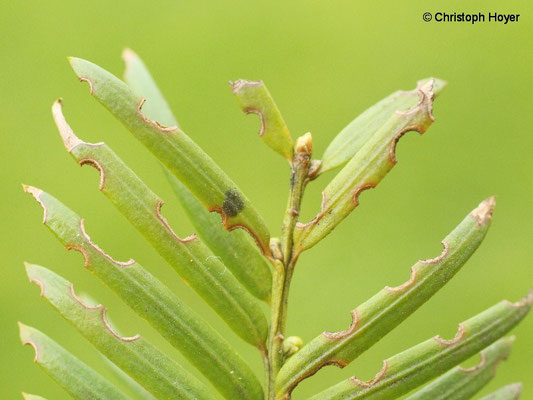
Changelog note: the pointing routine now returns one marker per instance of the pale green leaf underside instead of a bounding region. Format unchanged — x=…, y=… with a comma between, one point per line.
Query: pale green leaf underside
x=190, y=164
x=153, y=301
x=419, y=364
x=462, y=383
x=509, y=392
x=78, y=379
x=387, y=309
x=141, y=360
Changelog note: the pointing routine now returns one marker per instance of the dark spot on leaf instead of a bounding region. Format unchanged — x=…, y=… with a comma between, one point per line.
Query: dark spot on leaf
x=233, y=204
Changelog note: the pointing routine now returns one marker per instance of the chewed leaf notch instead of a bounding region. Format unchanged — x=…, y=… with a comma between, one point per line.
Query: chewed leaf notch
x=156, y=124
x=427, y=360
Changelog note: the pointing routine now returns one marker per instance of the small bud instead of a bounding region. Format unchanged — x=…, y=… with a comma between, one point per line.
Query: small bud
x=304, y=144
x=291, y=345
x=314, y=168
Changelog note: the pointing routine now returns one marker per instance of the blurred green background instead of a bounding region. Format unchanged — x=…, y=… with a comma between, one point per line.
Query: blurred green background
x=324, y=62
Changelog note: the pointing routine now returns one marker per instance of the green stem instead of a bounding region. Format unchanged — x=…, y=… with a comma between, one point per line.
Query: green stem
x=284, y=267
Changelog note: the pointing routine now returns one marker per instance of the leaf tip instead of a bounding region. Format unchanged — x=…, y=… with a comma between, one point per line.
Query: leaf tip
x=483, y=212
x=36, y=193
x=128, y=54
x=79, y=65
x=516, y=388
x=240, y=84
x=526, y=301
x=73, y=60
x=25, y=333
x=32, y=272
x=75, y=63
x=70, y=140
x=438, y=84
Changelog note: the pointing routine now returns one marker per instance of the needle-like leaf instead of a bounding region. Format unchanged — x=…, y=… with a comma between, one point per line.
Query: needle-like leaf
x=366, y=168
x=462, y=383
x=152, y=300
x=387, y=309
x=254, y=97
x=425, y=361
x=156, y=372
x=353, y=137
x=190, y=164
x=235, y=249
x=509, y=392
x=189, y=256
x=78, y=379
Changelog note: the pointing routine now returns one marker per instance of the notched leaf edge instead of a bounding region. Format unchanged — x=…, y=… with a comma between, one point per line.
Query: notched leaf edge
x=460, y=335
x=103, y=312
x=70, y=140
x=165, y=223
x=240, y=84
x=379, y=376
x=153, y=123
x=78, y=300
x=265, y=249
x=87, y=238
x=26, y=341
x=36, y=193
x=336, y=336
